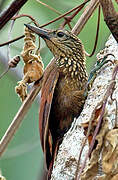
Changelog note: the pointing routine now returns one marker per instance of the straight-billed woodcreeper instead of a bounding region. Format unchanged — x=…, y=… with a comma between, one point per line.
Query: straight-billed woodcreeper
x=63, y=87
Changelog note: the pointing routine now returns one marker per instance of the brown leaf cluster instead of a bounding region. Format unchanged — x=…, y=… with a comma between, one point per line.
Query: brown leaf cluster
x=33, y=65
x=104, y=158
x=110, y=156
x=93, y=167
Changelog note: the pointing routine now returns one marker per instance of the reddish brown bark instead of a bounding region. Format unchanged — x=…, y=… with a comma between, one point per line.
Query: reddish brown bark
x=110, y=16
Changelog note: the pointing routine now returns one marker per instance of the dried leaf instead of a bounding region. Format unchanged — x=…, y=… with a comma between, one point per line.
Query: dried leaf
x=33, y=65
x=110, y=154
x=91, y=125
x=93, y=168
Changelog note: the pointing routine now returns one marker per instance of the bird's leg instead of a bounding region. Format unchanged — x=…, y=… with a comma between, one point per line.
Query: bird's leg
x=93, y=72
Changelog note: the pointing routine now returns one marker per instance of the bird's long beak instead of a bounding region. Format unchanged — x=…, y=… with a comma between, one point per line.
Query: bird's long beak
x=40, y=31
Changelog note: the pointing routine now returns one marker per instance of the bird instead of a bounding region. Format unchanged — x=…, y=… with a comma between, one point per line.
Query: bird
x=63, y=87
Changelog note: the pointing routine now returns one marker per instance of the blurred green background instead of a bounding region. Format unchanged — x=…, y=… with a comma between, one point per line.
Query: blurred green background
x=24, y=159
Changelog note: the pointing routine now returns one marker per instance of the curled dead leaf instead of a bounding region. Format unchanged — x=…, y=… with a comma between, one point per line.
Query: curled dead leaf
x=93, y=167
x=33, y=65
x=110, y=153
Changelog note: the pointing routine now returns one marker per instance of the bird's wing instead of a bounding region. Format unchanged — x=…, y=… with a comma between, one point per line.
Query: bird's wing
x=51, y=76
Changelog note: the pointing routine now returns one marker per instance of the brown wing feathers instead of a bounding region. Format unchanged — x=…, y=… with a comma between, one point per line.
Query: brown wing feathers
x=45, y=106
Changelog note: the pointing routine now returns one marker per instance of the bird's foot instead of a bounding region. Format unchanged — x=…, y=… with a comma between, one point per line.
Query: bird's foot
x=94, y=71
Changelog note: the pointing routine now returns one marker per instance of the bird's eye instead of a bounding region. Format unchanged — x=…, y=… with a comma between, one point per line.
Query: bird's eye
x=60, y=34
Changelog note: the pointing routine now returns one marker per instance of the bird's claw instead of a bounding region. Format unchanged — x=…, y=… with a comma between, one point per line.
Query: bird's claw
x=93, y=72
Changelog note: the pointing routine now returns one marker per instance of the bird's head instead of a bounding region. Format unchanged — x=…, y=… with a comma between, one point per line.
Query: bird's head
x=60, y=42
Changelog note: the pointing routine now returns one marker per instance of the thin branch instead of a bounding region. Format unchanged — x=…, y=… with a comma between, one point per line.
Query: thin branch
x=9, y=37
x=68, y=19
x=19, y=117
x=49, y=7
x=7, y=14
x=85, y=16
x=5, y=72
x=11, y=41
x=97, y=33
x=25, y=15
x=63, y=15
